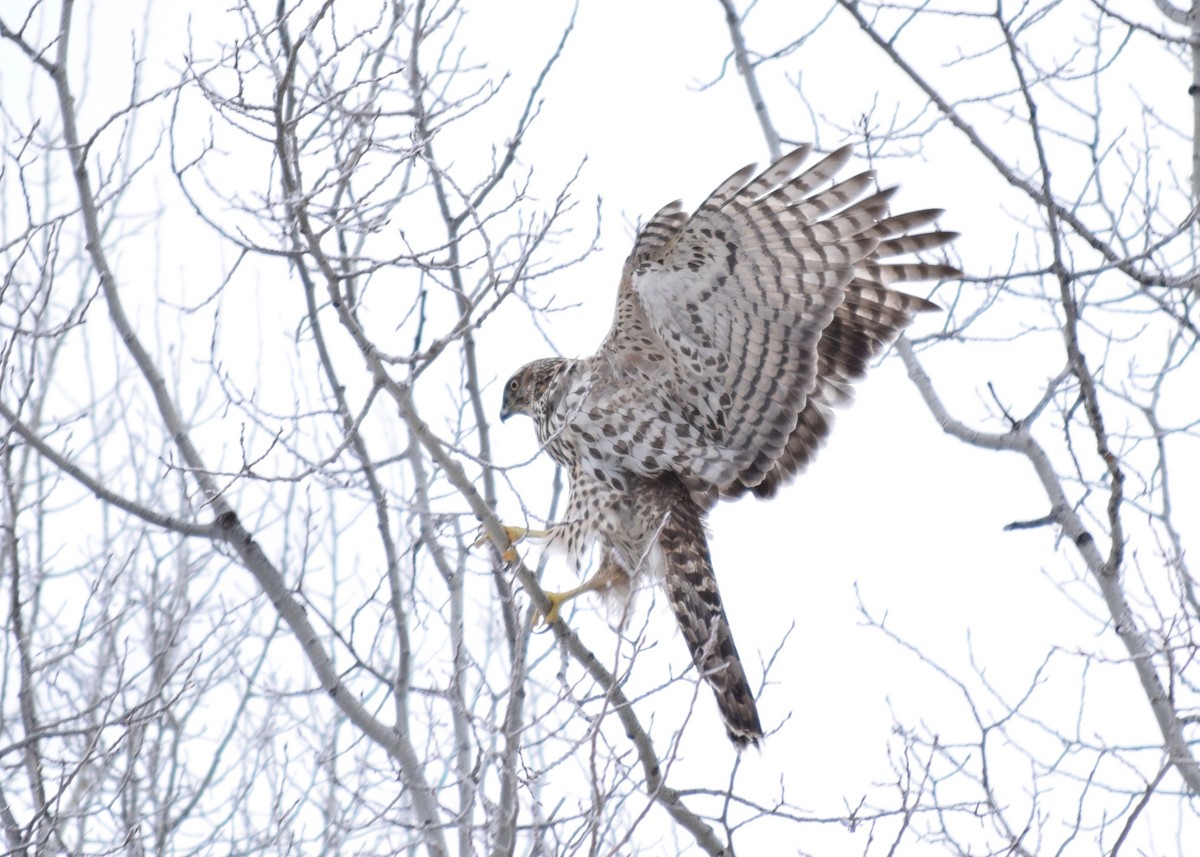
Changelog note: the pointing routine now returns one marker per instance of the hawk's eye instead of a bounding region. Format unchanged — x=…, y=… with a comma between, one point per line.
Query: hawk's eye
x=512, y=384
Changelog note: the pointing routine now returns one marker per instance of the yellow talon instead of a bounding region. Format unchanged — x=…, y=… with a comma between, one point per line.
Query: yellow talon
x=557, y=600
x=609, y=574
x=514, y=535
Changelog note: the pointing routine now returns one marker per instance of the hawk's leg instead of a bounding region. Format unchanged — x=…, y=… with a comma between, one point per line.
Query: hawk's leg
x=608, y=576
x=514, y=534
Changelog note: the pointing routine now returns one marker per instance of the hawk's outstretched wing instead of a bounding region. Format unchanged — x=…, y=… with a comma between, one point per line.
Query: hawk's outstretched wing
x=763, y=308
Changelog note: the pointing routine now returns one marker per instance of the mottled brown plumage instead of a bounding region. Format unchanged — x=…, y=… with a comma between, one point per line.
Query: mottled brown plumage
x=737, y=331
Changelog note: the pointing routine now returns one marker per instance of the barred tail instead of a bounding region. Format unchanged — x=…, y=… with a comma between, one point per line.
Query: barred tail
x=692, y=590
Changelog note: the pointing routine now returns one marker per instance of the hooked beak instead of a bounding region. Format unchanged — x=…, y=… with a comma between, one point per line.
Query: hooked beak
x=505, y=413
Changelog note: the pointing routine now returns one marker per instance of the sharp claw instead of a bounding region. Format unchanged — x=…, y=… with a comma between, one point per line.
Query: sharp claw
x=514, y=535
x=557, y=600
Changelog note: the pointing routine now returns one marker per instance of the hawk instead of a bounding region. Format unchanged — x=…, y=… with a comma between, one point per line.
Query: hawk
x=738, y=329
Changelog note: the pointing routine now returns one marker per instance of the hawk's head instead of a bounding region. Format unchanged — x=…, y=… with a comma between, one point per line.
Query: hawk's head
x=527, y=386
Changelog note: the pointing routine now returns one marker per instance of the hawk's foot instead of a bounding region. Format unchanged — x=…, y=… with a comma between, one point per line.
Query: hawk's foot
x=514, y=534
x=557, y=600
x=609, y=575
